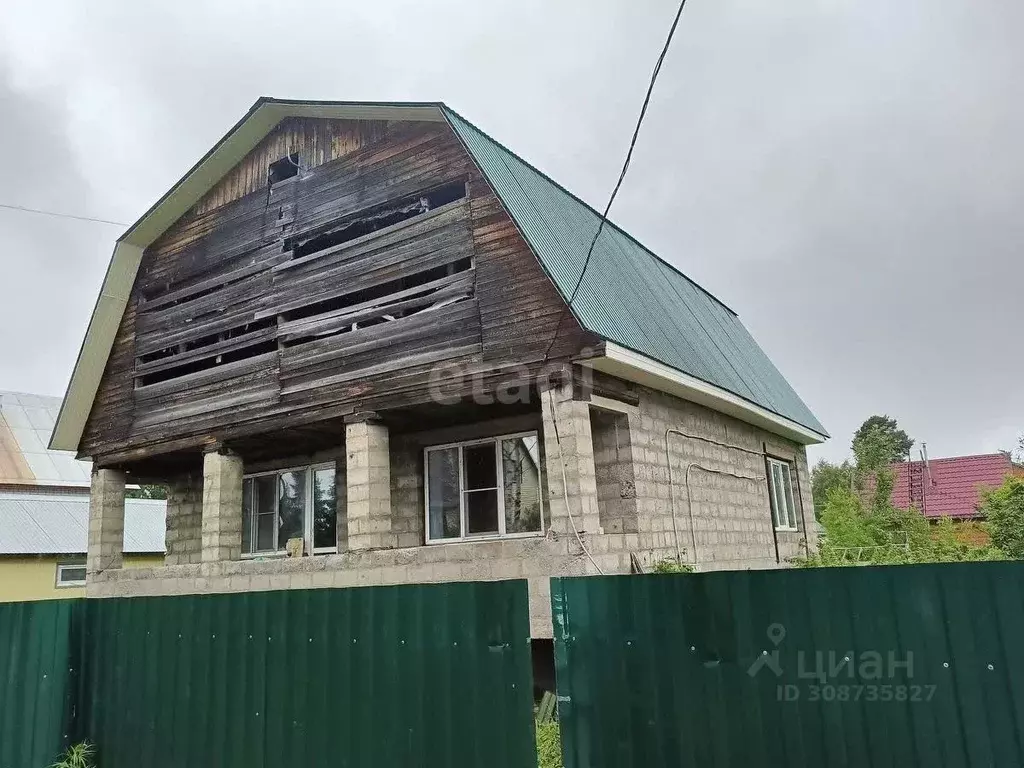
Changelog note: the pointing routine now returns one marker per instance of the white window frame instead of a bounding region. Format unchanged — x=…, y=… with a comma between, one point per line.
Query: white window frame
x=307, y=524
x=781, y=502
x=500, y=488
x=61, y=567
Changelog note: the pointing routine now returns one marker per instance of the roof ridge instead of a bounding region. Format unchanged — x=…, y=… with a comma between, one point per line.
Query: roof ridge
x=589, y=207
x=957, y=458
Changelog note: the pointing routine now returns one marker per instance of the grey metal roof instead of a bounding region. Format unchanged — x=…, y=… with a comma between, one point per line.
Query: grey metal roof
x=26, y=422
x=628, y=294
x=42, y=524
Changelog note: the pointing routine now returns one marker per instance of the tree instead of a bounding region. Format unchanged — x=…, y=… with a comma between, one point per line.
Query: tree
x=882, y=431
x=861, y=524
x=1003, y=508
x=824, y=477
x=146, y=492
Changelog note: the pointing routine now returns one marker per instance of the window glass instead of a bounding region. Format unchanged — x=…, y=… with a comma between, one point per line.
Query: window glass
x=787, y=495
x=265, y=488
x=70, y=575
x=481, y=512
x=780, y=492
x=291, y=506
x=325, y=517
x=247, y=515
x=487, y=488
x=520, y=466
x=444, y=513
x=479, y=466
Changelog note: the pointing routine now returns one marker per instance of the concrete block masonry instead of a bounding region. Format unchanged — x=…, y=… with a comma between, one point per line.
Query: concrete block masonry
x=106, y=521
x=222, y=507
x=381, y=517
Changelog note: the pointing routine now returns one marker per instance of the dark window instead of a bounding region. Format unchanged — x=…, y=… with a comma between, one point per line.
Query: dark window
x=283, y=169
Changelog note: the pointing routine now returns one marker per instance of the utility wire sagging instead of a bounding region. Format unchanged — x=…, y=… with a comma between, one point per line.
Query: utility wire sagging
x=57, y=215
x=622, y=173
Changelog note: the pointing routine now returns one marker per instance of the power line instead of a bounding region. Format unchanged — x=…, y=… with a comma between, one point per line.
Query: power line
x=625, y=167
x=55, y=214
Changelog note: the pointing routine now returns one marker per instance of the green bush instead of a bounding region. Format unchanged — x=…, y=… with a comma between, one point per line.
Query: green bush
x=78, y=756
x=668, y=565
x=881, y=534
x=1004, y=510
x=549, y=745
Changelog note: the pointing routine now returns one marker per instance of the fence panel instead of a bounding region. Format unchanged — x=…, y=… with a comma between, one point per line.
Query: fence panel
x=875, y=666
x=377, y=676
x=36, y=681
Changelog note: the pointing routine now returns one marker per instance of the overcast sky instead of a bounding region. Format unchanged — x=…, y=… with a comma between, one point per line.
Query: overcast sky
x=848, y=176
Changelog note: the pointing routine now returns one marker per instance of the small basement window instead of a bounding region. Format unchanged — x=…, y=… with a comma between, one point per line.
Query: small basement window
x=284, y=168
x=70, y=575
x=484, y=489
x=780, y=494
x=288, y=504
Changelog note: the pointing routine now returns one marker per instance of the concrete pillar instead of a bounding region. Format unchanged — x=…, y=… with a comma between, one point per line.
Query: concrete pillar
x=106, y=521
x=573, y=450
x=184, y=520
x=222, y=507
x=368, y=485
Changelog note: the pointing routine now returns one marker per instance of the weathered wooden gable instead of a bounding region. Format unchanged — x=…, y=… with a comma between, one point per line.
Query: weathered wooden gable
x=342, y=287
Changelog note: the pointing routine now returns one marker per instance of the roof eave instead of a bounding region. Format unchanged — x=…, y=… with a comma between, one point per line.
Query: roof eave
x=640, y=369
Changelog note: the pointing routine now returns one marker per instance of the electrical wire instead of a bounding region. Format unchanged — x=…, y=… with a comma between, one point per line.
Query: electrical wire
x=686, y=478
x=622, y=173
x=689, y=501
x=55, y=214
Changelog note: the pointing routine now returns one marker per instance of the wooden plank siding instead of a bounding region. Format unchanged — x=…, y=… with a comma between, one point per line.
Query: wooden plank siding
x=254, y=313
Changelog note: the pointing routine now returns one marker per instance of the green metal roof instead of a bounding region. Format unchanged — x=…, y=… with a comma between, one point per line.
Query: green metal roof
x=629, y=295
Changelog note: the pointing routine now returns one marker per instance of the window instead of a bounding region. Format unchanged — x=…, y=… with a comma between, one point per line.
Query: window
x=780, y=493
x=483, y=488
x=288, y=504
x=70, y=575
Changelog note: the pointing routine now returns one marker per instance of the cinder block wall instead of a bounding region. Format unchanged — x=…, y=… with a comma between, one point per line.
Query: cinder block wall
x=407, y=515
x=732, y=522
x=184, y=520
x=616, y=475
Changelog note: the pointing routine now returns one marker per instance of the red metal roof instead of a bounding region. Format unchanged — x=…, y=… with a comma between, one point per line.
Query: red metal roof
x=953, y=486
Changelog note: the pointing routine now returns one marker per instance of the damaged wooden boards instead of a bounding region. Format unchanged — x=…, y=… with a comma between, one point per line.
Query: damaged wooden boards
x=345, y=287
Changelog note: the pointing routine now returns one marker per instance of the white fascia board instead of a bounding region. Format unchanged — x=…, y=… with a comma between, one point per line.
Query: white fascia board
x=640, y=369
x=95, y=349
x=616, y=406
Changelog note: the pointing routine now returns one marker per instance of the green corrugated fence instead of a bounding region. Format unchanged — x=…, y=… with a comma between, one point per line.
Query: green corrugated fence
x=363, y=677
x=37, y=680
x=874, y=666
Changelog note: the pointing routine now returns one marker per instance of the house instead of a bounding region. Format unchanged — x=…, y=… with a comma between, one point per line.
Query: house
x=43, y=542
x=362, y=344
x=44, y=508
x=949, y=487
x=26, y=464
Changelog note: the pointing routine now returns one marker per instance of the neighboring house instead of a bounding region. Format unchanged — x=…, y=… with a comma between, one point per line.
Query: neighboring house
x=26, y=422
x=44, y=508
x=369, y=334
x=949, y=487
x=43, y=541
